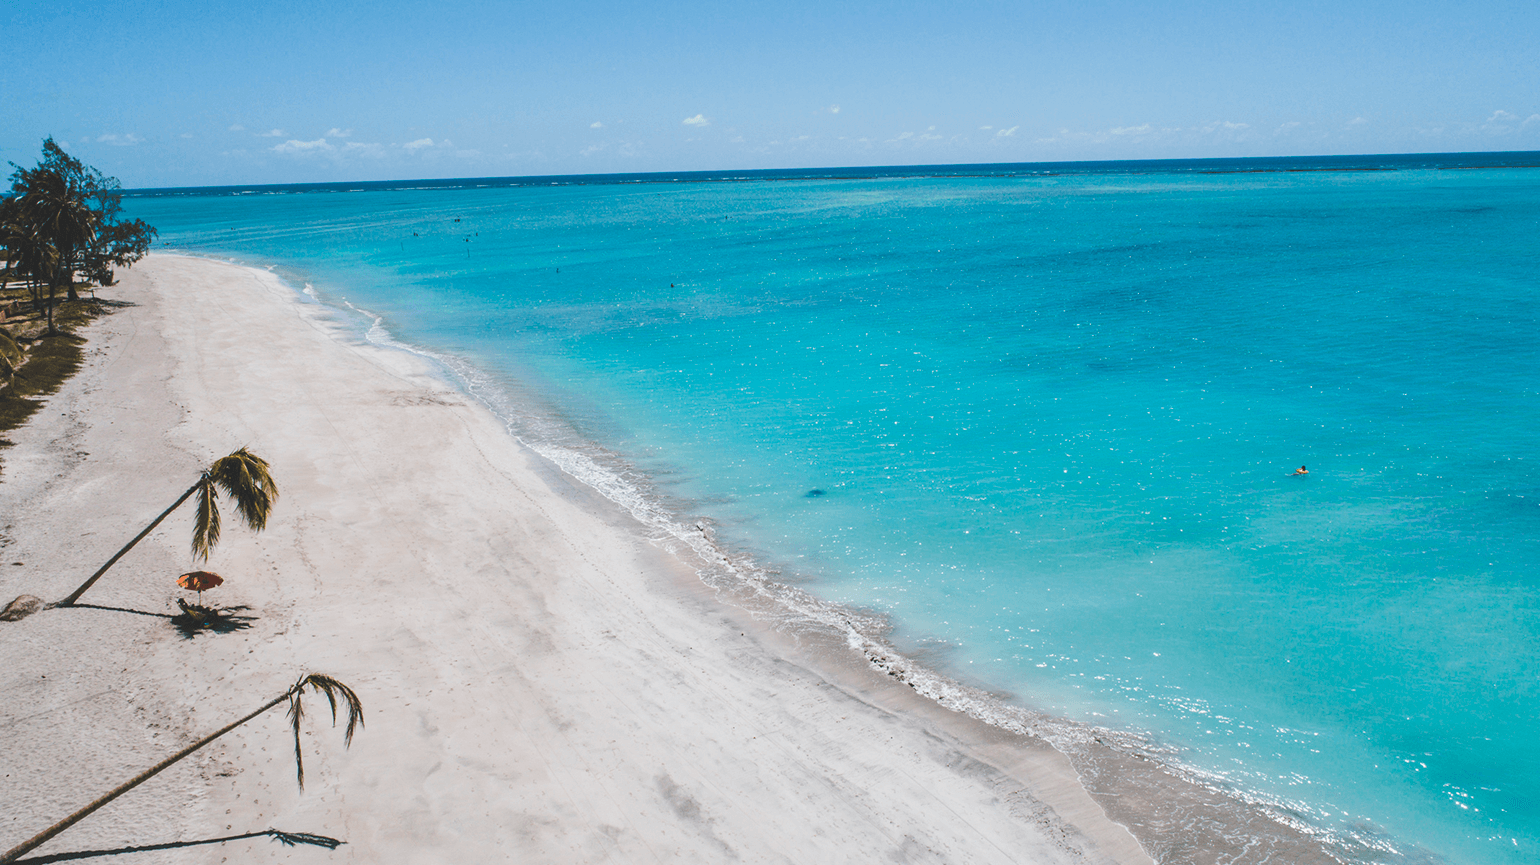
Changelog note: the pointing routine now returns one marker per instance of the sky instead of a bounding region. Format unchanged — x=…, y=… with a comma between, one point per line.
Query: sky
x=176, y=93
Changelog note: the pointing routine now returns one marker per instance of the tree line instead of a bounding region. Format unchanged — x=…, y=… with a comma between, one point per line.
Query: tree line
x=62, y=221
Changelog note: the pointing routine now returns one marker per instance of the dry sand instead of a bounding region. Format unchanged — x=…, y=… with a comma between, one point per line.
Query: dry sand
x=541, y=683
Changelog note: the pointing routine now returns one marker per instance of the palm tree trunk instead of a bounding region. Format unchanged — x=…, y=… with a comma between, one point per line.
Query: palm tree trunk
x=75, y=595
x=44, y=836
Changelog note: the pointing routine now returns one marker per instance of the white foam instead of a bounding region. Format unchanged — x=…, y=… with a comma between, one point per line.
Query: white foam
x=735, y=573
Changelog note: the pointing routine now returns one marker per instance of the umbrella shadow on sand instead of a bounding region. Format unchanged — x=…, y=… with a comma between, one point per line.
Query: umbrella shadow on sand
x=197, y=619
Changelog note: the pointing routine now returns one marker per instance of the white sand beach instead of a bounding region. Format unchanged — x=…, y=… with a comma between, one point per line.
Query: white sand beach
x=540, y=682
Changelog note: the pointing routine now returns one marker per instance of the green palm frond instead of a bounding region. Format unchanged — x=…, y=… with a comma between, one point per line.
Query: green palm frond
x=205, y=520
x=290, y=839
x=245, y=478
x=9, y=349
x=334, y=690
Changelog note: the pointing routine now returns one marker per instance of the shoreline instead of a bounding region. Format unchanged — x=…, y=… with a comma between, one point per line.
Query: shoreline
x=1144, y=784
x=539, y=679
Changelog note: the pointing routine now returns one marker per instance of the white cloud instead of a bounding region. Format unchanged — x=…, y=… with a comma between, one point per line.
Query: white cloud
x=185, y=135
x=833, y=109
x=1502, y=122
x=291, y=146
x=419, y=144
x=271, y=133
x=359, y=148
x=596, y=125
x=1133, y=130
x=334, y=132
x=237, y=128
x=1007, y=133
x=1236, y=127
x=986, y=128
x=930, y=137
x=119, y=140
x=697, y=120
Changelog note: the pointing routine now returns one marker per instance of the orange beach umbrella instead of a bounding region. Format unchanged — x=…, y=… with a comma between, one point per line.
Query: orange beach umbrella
x=197, y=581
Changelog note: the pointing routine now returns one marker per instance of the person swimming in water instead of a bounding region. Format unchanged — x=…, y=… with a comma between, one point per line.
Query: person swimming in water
x=1301, y=471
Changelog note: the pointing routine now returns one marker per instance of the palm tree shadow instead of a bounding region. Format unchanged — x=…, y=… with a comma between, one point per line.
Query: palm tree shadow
x=289, y=839
x=195, y=619
x=116, y=610
x=192, y=621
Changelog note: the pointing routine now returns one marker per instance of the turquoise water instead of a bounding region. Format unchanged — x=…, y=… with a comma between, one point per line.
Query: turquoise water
x=1044, y=421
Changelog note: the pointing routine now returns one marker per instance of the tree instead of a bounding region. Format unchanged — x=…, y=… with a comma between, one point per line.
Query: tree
x=118, y=243
x=243, y=476
x=49, y=224
x=111, y=242
x=334, y=690
x=13, y=238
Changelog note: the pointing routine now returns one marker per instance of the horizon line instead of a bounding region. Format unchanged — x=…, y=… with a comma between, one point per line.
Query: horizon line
x=955, y=170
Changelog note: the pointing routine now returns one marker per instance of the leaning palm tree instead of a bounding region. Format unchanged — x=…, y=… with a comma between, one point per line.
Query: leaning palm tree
x=245, y=479
x=334, y=690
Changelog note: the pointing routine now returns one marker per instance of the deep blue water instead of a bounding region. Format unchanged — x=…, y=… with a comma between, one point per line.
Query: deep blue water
x=1051, y=414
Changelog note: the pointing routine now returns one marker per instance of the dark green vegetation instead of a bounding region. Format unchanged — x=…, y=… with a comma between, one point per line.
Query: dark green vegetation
x=60, y=228
x=63, y=220
x=33, y=365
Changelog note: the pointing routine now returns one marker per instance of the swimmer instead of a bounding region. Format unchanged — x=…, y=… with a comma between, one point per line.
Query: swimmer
x=1301, y=471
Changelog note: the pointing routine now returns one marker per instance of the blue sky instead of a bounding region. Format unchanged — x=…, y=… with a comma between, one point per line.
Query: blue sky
x=180, y=93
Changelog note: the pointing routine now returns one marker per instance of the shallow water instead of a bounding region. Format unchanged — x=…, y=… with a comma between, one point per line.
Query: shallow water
x=1051, y=419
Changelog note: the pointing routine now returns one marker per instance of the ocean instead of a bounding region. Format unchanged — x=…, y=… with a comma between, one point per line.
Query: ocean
x=1027, y=434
